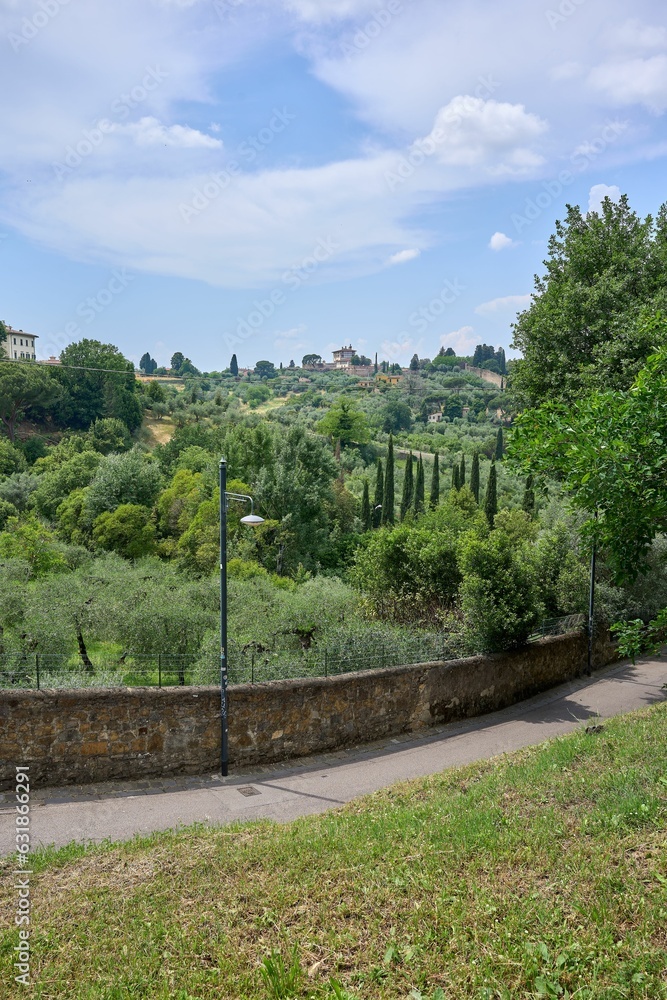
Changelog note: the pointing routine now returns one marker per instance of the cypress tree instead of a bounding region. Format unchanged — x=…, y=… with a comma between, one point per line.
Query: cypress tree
x=366, y=508
x=388, y=509
x=455, y=476
x=419, y=488
x=408, y=489
x=378, y=499
x=474, y=476
x=434, y=499
x=376, y=363
x=529, y=497
x=234, y=366
x=462, y=471
x=491, y=498
x=500, y=445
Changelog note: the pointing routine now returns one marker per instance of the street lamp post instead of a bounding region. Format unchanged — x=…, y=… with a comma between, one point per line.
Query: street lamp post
x=252, y=520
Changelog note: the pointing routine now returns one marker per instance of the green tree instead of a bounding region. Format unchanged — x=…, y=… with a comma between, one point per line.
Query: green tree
x=345, y=424
x=265, y=369
x=147, y=364
x=500, y=445
x=456, y=471
x=407, y=496
x=98, y=382
x=128, y=478
x=434, y=498
x=414, y=363
x=366, y=520
x=474, y=477
x=310, y=359
x=396, y=416
x=378, y=499
x=609, y=451
x=24, y=387
x=419, y=488
x=499, y=597
x=33, y=542
x=234, y=366
x=528, y=502
x=388, y=508
x=491, y=496
x=126, y=530
x=109, y=434
x=462, y=471
x=585, y=328
x=176, y=362
x=55, y=485
x=11, y=459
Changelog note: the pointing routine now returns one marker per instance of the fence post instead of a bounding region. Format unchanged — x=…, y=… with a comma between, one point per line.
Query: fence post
x=159, y=670
x=37, y=668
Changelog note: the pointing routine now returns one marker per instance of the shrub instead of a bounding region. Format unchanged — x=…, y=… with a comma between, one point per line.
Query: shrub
x=499, y=595
x=127, y=530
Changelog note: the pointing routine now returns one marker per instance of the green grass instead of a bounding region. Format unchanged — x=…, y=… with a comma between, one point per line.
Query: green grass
x=541, y=874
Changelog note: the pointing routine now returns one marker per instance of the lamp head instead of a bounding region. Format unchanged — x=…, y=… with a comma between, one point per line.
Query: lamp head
x=253, y=520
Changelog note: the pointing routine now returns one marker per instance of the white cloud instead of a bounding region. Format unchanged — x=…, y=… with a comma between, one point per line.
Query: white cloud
x=566, y=71
x=634, y=81
x=291, y=339
x=403, y=256
x=599, y=192
x=507, y=302
x=472, y=132
x=633, y=34
x=319, y=11
x=499, y=241
x=463, y=340
x=148, y=131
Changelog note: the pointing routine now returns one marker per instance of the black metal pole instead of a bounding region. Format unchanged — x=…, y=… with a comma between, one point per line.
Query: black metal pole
x=591, y=608
x=224, y=735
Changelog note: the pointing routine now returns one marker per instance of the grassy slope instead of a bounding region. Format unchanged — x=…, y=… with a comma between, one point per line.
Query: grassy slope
x=539, y=874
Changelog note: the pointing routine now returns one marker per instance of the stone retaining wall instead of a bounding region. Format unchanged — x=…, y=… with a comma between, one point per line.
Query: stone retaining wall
x=78, y=736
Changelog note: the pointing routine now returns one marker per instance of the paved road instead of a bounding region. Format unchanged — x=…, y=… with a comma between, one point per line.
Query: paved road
x=118, y=810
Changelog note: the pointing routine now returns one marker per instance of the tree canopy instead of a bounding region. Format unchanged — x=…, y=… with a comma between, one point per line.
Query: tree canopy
x=24, y=386
x=609, y=451
x=586, y=326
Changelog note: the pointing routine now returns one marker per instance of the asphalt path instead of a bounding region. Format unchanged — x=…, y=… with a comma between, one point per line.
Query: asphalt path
x=119, y=810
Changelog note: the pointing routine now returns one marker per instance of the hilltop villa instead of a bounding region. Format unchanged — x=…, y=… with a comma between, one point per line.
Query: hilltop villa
x=19, y=345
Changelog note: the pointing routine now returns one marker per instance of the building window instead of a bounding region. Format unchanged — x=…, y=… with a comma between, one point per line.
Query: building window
x=14, y=340
x=14, y=353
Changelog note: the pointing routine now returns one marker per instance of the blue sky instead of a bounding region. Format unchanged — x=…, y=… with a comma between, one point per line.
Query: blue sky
x=279, y=177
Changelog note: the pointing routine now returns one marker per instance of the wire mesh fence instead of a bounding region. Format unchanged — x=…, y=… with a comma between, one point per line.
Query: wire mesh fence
x=247, y=665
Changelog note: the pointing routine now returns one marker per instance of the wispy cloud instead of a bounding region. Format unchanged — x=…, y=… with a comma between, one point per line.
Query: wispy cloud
x=403, y=256
x=148, y=131
x=505, y=303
